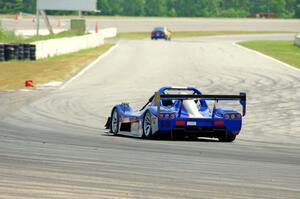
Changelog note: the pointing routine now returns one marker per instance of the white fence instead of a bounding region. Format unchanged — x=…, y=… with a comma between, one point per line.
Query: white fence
x=108, y=32
x=54, y=47
x=297, y=40
x=30, y=33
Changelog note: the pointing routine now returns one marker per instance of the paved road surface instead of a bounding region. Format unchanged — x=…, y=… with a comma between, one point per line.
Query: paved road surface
x=175, y=24
x=53, y=144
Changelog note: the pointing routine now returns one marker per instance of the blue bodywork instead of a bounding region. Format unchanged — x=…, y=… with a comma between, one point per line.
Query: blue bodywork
x=175, y=114
x=159, y=33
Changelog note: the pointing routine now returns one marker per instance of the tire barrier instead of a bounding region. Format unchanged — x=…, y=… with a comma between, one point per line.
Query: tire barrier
x=2, y=55
x=17, y=52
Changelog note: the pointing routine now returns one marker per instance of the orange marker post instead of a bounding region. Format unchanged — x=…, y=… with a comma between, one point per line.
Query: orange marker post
x=29, y=83
x=97, y=28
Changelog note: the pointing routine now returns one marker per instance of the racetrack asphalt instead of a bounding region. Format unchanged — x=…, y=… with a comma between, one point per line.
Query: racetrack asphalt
x=53, y=143
x=138, y=24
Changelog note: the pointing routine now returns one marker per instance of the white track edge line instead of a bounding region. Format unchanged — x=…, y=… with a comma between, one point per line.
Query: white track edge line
x=266, y=56
x=88, y=67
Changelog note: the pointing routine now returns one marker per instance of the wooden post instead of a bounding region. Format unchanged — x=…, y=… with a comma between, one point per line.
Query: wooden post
x=38, y=22
x=47, y=22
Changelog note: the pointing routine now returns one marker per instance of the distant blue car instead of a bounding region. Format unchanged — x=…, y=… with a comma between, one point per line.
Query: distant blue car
x=161, y=33
x=179, y=112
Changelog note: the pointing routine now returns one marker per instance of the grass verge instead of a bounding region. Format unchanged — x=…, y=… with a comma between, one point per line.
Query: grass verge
x=284, y=51
x=15, y=73
x=10, y=37
x=182, y=34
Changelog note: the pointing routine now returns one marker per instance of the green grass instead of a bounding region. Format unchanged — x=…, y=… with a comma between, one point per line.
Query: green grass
x=217, y=33
x=7, y=36
x=132, y=35
x=184, y=34
x=59, y=68
x=284, y=51
x=10, y=37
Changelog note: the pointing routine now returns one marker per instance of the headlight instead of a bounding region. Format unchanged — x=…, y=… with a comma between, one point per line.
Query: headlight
x=172, y=116
x=239, y=116
x=227, y=116
x=233, y=116
x=167, y=116
x=161, y=116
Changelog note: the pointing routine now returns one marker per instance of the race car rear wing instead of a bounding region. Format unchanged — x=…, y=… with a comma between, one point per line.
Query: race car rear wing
x=242, y=98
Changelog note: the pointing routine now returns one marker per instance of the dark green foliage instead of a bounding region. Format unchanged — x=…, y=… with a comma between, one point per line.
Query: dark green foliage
x=10, y=6
x=29, y=6
x=175, y=8
x=297, y=11
x=231, y=12
x=155, y=8
x=134, y=7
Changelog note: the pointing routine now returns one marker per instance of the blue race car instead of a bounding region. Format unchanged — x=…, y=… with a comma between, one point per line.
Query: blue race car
x=179, y=112
x=161, y=33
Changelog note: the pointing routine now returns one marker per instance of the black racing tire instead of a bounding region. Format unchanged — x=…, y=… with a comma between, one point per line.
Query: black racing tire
x=147, y=126
x=228, y=137
x=115, y=122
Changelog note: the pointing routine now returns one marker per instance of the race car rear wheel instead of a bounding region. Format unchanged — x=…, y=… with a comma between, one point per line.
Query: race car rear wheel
x=114, y=125
x=147, y=125
x=229, y=137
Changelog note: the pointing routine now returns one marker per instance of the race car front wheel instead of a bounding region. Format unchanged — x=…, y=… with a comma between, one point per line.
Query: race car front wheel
x=147, y=125
x=114, y=125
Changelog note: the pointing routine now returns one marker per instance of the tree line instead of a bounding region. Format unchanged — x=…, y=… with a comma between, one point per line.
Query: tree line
x=175, y=8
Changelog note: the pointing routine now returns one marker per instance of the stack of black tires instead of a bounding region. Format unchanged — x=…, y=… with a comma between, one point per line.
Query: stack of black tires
x=2, y=55
x=17, y=52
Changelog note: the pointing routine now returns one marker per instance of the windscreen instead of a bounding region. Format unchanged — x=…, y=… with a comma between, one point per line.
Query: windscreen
x=199, y=103
x=159, y=29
